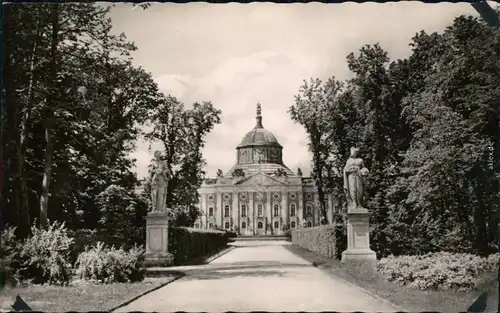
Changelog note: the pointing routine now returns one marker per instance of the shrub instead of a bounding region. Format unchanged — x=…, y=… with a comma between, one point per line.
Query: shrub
x=129, y=238
x=231, y=234
x=437, y=271
x=108, y=265
x=45, y=256
x=325, y=240
x=189, y=244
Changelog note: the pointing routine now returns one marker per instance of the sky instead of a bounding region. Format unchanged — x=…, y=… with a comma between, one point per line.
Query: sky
x=236, y=55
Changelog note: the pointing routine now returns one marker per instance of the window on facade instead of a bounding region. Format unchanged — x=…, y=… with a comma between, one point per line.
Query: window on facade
x=211, y=226
x=243, y=210
x=259, y=209
x=226, y=211
x=243, y=225
x=196, y=225
x=309, y=210
x=293, y=224
x=259, y=225
x=226, y=225
x=276, y=210
x=276, y=225
x=292, y=210
x=309, y=224
x=210, y=211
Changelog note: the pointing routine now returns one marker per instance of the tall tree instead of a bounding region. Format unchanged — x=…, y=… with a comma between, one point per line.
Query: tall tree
x=23, y=49
x=455, y=119
x=182, y=132
x=74, y=106
x=315, y=100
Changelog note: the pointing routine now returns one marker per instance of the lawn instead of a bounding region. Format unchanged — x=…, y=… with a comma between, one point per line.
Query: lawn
x=79, y=296
x=410, y=299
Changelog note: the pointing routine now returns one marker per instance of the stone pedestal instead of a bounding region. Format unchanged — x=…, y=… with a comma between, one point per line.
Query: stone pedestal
x=358, y=238
x=157, y=240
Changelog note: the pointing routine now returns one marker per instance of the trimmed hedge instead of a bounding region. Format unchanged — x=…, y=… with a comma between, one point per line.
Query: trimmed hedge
x=231, y=234
x=325, y=240
x=186, y=244
x=190, y=244
x=437, y=271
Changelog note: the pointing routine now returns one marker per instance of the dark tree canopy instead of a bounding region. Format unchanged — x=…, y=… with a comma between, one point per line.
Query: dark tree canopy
x=427, y=127
x=74, y=106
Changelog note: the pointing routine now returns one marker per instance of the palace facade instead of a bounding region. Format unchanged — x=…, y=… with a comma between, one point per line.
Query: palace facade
x=259, y=195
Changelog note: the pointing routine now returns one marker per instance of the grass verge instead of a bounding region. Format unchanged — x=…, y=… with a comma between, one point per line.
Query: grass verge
x=79, y=296
x=412, y=300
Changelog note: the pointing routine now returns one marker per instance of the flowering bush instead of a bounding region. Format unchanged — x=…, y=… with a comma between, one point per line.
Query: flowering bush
x=127, y=238
x=108, y=265
x=437, y=271
x=44, y=256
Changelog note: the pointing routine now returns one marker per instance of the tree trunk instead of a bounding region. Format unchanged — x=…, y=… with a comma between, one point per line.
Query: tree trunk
x=47, y=172
x=21, y=148
x=49, y=120
x=315, y=138
x=20, y=216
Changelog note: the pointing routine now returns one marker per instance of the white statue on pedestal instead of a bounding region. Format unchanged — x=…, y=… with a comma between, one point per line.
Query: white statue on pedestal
x=159, y=184
x=354, y=180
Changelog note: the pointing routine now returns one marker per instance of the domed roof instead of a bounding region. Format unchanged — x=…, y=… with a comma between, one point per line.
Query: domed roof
x=259, y=136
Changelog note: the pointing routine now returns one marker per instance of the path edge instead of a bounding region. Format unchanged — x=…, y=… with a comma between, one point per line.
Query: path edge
x=325, y=270
x=218, y=255
x=178, y=276
x=398, y=307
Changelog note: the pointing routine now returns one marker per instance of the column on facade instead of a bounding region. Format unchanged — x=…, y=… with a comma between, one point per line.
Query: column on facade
x=251, y=212
x=300, y=209
x=219, y=209
x=284, y=208
x=235, y=210
x=269, y=211
x=203, y=211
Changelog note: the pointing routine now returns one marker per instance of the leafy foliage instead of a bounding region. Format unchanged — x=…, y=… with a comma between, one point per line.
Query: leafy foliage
x=9, y=243
x=325, y=240
x=427, y=126
x=437, y=271
x=313, y=102
x=127, y=238
x=74, y=106
x=44, y=257
x=182, y=132
x=110, y=265
x=116, y=207
x=190, y=244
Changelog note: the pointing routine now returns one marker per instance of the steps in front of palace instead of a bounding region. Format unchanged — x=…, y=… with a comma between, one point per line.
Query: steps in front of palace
x=261, y=238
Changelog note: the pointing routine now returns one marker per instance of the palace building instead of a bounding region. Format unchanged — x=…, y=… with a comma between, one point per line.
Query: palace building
x=259, y=195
